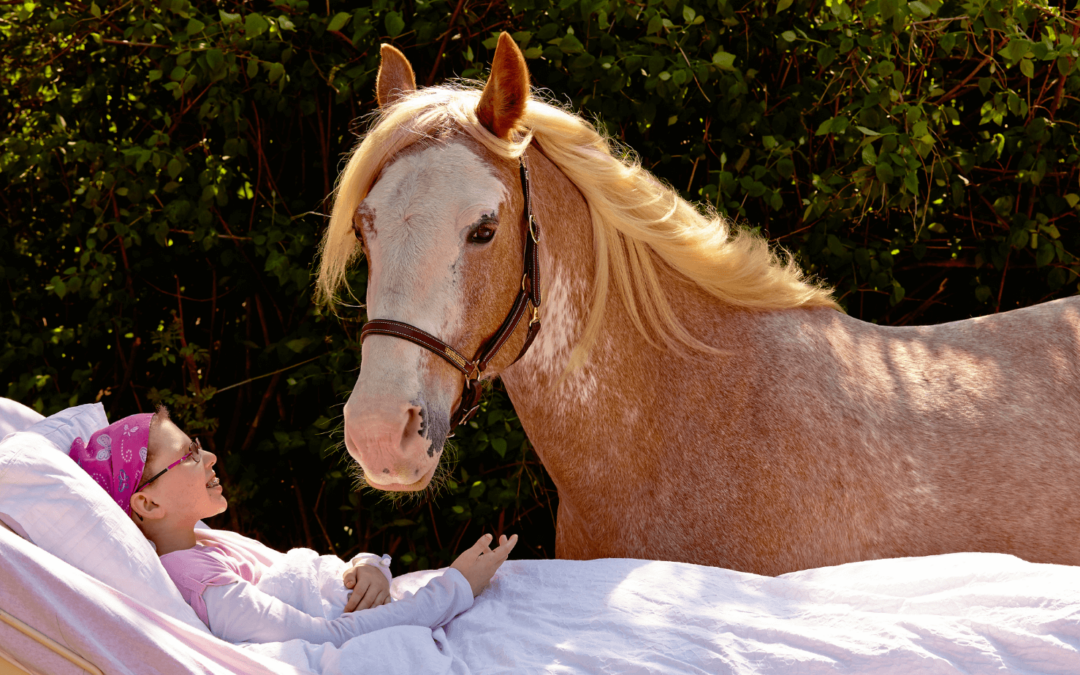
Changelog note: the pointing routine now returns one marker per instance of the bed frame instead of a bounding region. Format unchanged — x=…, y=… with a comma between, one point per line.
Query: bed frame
x=9, y=665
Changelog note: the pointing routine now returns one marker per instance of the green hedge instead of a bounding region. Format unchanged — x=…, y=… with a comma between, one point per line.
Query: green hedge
x=165, y=166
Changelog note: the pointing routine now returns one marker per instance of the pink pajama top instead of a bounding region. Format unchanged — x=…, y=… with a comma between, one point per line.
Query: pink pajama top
x=220, y=580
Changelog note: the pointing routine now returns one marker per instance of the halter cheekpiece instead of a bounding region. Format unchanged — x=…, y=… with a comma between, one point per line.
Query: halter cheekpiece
x=474, y=368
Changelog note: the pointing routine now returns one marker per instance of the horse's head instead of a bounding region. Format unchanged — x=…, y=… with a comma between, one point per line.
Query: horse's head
x=439, y=216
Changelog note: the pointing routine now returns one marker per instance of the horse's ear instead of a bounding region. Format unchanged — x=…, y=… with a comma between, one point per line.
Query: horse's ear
x=395, y=76
x=502, y=105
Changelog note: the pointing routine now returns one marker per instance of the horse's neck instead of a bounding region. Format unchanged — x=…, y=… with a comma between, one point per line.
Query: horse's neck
x=613, y=401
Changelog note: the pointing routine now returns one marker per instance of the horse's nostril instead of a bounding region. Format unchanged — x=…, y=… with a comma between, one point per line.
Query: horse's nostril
x=414, y=422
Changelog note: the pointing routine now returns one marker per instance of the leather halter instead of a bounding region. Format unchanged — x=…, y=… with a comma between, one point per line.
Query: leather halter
x=474, y=368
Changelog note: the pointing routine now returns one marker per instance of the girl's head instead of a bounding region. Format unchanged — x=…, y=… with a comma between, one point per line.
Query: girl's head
x=153, y=470
x=179, y=484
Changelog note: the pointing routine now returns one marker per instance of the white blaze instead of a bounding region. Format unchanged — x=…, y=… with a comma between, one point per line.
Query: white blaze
x=424, y=204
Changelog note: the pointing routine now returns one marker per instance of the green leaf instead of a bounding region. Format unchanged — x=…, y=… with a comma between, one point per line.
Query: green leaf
x=285, y=23
x=789, y=35
x=58, y=286
x=1045, y=254
x=275, y=72
x=897, y=293
x=868, y=132
x=194, y=26
x=499, y=446
x=982, y=293
x=394, y=24
x=884, y=172
x=255, y=25
x=214, y=58
x=228, y=19
x=1064, y=65
x=911, y=182
x=1027, y=68
x=836, y=247
x=252, y=67
x=887, y=8
x=298, y=344
x=583, y=61
x=1072, y=199
x=919, y=9
x=339, y=21
x=782, y=5
x=724, y=60
x=688, y=13
x=571, y=45
x=95, y=11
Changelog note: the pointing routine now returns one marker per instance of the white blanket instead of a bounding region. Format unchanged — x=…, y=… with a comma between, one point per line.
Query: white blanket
x=960, y=613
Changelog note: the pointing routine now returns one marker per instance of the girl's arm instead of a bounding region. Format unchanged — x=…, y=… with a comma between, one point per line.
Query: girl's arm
x=240, y=612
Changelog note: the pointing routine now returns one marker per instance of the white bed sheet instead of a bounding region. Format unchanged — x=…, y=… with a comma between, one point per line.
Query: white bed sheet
x=960, y=613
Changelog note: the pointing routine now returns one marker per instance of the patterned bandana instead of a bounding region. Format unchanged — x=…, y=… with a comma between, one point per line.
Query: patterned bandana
x=116, y=456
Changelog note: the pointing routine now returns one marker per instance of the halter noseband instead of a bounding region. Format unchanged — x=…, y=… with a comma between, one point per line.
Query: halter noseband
x=472, y=369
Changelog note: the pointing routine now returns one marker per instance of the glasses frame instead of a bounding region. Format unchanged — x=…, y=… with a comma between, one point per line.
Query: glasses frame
x=196, y=453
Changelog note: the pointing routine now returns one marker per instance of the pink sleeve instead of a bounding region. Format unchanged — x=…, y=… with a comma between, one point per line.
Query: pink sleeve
x=195, y=569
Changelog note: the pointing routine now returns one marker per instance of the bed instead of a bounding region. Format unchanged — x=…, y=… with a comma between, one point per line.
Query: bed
x=79, y=592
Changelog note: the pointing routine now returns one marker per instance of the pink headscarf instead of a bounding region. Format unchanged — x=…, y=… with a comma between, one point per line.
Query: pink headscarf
x=116, y=456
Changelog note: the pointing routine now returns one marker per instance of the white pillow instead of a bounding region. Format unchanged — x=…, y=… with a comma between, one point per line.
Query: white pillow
x=59, y=507
x=16, y=417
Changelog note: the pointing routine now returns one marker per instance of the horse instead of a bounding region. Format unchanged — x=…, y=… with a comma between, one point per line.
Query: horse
x=693, y=396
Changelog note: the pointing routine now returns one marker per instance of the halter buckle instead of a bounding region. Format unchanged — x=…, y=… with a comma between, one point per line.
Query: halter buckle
x=535, y=316
x=532, y=230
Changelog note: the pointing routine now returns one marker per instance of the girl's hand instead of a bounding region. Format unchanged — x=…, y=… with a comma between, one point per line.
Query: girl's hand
x=369, y=587
x=478, y=564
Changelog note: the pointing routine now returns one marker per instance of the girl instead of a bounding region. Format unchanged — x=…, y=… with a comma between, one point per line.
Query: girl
x=240, y=590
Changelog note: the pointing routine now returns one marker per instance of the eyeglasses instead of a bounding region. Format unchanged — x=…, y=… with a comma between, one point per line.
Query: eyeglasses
x=196, y=454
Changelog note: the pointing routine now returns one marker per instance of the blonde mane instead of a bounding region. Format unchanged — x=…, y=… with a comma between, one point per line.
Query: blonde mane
x=637, y=221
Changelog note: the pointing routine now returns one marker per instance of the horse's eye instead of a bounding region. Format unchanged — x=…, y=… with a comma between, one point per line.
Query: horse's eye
x=482, y=234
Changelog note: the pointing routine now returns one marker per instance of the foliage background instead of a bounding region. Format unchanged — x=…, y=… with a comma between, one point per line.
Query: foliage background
x=165, y=166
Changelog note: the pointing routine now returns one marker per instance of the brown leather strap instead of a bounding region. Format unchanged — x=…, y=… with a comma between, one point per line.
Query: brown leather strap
x=472, y=369
x=426, y=340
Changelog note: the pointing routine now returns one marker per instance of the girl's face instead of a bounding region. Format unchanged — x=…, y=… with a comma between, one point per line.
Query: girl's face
x=189, y=491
